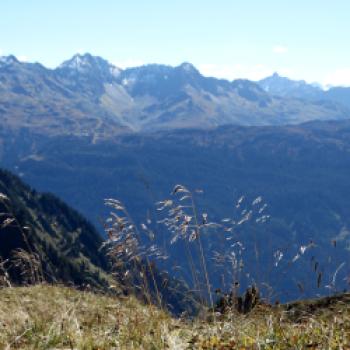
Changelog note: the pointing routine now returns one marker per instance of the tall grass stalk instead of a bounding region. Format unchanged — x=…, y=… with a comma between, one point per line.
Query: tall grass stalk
x=125, y=236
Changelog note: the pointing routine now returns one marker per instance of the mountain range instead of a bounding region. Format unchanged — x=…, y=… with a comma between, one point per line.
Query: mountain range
x=284, y=87
x=86, y=95
x=87, y=131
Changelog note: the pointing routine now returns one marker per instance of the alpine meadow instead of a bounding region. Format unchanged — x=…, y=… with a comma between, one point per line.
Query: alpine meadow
x=174, y=205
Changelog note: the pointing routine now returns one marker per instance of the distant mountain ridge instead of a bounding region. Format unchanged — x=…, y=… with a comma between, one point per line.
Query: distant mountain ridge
x=284, y=87
x=86, y=95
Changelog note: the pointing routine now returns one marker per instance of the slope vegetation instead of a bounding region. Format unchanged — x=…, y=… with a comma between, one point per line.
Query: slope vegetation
x=45, y=317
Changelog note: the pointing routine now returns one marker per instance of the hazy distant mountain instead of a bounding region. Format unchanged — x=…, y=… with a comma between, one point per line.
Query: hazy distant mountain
x=87, y=95
x=87, y=74
x=285, y=87
x=54, y=101
x=277, y=85
x=340, y=95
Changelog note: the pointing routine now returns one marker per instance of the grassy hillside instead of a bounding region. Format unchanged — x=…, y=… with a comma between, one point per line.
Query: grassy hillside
x=43, y=239
x=45, y=317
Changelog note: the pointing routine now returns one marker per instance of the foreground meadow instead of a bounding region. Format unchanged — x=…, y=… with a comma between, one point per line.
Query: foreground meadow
x=54, y=317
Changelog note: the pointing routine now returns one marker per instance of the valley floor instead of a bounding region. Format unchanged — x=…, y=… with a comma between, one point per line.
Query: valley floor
x=54, y=317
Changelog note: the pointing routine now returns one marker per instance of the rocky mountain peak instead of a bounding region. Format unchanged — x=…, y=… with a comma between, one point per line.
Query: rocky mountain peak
x=8, y=60
x=89, y=64
x=188, y=67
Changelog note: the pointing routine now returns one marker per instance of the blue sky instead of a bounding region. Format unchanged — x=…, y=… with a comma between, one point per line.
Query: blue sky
x=225, y=38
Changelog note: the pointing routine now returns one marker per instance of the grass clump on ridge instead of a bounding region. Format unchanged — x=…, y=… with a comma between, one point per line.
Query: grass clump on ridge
x=47, y=317
x=53, y=317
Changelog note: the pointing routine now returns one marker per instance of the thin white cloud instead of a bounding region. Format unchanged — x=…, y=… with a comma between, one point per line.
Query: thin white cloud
x=278, y=49
x=22, y=58
x=339, y=77
x=128, y=63
x=80, y=51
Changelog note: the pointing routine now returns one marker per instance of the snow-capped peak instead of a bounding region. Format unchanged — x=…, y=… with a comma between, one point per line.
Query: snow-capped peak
x=188, y=67
x=88, y=64
x=80, y=62
x=115, y=71
x=8, y=60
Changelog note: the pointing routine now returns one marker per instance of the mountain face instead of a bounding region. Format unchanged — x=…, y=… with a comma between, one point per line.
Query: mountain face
x=52, y=102
x=87, y=74
x=340, y=95
x=284, y=87
x=66, y=246
x=86, y=95
x=88, y=65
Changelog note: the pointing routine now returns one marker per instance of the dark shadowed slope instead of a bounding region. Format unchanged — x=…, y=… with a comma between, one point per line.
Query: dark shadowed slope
x=66, y=245
x=301, y=171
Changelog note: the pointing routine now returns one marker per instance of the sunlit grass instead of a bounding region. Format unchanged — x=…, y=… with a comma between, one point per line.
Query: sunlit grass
x=46, y=317
x=53, y=317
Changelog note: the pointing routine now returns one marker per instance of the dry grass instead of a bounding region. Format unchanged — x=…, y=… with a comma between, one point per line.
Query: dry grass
x=277, y=328
x=49, y=317
x=56, y=317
